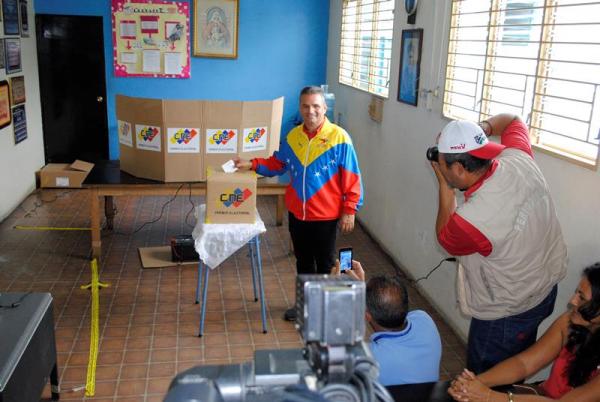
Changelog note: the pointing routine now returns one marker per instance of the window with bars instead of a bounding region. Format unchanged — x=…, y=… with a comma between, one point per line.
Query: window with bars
x=539, y=59
x=366, y=44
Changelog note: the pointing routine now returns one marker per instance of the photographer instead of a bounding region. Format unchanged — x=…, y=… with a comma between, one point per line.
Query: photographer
x=506, y=235
x=406, y=344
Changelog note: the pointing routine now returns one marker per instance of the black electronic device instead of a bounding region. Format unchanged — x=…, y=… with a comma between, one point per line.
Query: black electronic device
x=182, y=249
x=345, y=259
x=433, y=154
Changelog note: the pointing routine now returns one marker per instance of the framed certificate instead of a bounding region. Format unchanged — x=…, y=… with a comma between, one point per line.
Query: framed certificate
x=5, y=112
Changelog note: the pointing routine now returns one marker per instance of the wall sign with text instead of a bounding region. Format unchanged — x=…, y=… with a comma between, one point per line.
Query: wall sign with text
x=151, y=38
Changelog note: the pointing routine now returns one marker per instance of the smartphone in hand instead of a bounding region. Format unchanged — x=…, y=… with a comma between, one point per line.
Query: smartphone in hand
x=345, y=259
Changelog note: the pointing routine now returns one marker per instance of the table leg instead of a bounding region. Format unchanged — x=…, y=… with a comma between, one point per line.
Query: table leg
x=280, y=210
x=251, y=255
x=261, y=287
x=95, y=223
x=204, y=294
x=54, y=383
x=109, y=211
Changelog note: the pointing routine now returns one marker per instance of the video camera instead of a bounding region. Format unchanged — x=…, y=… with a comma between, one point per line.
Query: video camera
x=334, y=365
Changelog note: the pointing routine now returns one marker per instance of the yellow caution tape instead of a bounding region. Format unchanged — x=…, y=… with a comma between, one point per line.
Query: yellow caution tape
x=25, y=227
x=95, y=285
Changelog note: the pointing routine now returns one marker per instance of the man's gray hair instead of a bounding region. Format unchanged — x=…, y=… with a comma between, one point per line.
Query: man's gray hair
x=312, y=90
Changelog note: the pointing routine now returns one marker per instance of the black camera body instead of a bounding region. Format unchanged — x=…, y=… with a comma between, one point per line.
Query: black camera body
x=433, y=154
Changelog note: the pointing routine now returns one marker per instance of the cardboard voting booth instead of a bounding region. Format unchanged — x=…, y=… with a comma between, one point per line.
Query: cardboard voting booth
x=230, y=197
x=176, y=140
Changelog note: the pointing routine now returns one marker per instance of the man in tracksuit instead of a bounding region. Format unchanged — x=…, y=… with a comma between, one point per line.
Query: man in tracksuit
x=325, y=184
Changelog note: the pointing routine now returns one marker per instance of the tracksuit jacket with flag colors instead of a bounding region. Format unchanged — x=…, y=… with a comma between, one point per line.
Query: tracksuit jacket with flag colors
x=324, y=175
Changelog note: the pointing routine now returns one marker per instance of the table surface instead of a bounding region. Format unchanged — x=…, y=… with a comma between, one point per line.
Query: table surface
x=17, y=326
x=110, y=173
x=426, y=392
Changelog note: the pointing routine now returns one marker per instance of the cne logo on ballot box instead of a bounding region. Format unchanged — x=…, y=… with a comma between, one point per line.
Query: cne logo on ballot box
x=230, y=197
x=235, y=198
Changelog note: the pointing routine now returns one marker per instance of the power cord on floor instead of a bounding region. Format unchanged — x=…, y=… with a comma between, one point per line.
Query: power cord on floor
x=450, y=259
x=192, y=207
x=162, y=210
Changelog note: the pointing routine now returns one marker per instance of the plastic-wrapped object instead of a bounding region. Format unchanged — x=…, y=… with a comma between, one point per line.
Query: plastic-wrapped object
x=215, y=242
x=330, y=102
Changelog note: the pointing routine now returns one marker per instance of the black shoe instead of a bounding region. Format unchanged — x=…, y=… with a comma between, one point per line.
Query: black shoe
x=290, y=314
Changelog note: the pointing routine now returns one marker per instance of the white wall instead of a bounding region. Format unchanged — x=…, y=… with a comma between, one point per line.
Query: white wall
x=400, y=188
x=18, y=163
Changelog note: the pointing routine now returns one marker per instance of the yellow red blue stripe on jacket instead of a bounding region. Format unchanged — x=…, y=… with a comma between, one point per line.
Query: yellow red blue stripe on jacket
x=325, y=178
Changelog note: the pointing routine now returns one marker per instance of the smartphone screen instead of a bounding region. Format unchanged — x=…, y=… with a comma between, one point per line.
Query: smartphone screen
x=345, y=259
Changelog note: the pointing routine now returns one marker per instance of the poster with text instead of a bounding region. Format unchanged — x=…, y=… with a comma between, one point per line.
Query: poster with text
x=147, y=137
x=183, y=140
x=19, y=123
x=221, y=141
x=151, y=38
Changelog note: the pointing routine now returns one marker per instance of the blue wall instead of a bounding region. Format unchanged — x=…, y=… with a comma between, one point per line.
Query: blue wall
x=282, y=47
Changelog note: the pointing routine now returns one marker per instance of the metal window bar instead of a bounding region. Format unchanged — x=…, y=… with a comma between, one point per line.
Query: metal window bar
x=378, y=38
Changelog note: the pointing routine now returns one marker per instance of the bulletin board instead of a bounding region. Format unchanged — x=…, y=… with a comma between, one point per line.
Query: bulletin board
x=151, y=38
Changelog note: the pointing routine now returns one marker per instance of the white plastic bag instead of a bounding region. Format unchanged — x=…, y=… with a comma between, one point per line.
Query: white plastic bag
x=215, y=242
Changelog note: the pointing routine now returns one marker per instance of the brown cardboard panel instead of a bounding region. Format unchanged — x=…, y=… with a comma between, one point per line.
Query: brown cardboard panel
x=230, y=197
x=143, y=113
x=255, y=129
x=159, y=257
x=221, y=115
x=183, y=140
x=62, y=175
x=82, y=166
x=276, y=117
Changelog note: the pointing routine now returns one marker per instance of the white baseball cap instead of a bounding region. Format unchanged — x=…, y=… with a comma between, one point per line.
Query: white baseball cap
x=462, y=136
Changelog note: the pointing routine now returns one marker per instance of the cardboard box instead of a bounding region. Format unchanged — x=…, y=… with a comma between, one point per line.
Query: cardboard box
x=230, y=197
x=64, y=175
x=174, y=140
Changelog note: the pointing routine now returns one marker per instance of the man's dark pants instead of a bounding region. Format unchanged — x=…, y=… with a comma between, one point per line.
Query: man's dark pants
x=492, y=341
x=314, y=245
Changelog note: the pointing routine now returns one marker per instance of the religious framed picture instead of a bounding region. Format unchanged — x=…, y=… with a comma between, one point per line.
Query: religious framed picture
x=410, y=66
x=17, y=90
x=5, y=113
x=12, y=51
x=216, y=28
x=23, y=18
x=10, y=12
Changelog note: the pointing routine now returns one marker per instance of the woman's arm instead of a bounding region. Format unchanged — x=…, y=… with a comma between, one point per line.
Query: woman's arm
x=532, y=360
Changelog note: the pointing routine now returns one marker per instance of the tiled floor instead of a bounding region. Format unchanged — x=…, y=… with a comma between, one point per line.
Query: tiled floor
x=148, y=319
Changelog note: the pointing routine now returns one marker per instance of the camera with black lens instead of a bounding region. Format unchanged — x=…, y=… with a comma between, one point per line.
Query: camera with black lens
x=433, y=154
x=335, y=363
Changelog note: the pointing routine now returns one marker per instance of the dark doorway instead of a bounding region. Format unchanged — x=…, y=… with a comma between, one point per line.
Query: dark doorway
x=72, y=87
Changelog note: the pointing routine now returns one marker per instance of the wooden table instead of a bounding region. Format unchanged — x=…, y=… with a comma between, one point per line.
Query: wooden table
x=108, y=181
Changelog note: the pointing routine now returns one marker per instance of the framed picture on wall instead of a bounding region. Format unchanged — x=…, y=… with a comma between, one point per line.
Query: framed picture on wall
x=12, y=51
x=10, y=13
x=5, y=113
x=216, y=28
x=17, y=90
x=23, y=18
x=19, y=123
x=1, y=53
x=410, y=66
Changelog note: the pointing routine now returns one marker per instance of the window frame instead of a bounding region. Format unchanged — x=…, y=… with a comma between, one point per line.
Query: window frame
x=532, y=107
x=374, y=49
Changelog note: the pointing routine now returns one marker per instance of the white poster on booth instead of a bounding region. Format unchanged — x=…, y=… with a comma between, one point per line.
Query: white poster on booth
x=221, y=141
x=255, y=139
x=147, y=137
x=125, y=134
x=183, y=140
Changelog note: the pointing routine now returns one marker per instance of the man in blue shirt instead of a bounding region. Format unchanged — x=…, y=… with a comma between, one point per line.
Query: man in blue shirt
x=406, y=344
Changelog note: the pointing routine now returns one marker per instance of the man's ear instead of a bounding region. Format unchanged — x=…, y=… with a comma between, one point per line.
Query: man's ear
x=368, y=317
x=458, y=169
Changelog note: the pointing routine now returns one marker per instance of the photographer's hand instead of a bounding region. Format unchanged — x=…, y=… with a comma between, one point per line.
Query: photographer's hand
x=357, y=272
